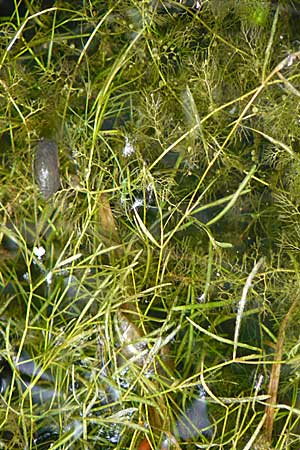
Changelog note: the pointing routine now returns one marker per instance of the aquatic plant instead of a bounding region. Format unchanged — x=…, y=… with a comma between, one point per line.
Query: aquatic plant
x=149, y=289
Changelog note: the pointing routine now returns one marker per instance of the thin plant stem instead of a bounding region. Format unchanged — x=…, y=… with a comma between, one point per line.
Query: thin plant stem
x=242, y=304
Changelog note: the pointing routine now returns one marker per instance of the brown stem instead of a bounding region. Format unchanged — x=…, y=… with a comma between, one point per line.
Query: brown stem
x=275, y=375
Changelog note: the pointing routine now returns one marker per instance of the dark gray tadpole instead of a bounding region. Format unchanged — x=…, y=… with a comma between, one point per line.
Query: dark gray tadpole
x=40, y=393
x=43, y=391
x=194, y=422
x=46, y=167
x=5, y=375
x=191, y=423
x=26, y=366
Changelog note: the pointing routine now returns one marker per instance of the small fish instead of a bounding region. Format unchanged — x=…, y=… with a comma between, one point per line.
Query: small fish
x=144, y=445
x=46, y=168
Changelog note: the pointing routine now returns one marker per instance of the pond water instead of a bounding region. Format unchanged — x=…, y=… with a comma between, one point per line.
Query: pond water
x=149, y=236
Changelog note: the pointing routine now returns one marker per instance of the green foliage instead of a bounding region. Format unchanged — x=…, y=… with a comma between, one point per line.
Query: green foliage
x=254, y=13
x=177, y=125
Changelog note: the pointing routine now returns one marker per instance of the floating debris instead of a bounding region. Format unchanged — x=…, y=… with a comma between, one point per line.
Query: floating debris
x=39, y=252
x=128, y=149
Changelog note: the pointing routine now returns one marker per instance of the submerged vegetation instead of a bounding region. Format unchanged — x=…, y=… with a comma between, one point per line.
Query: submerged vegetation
x=150, y=284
